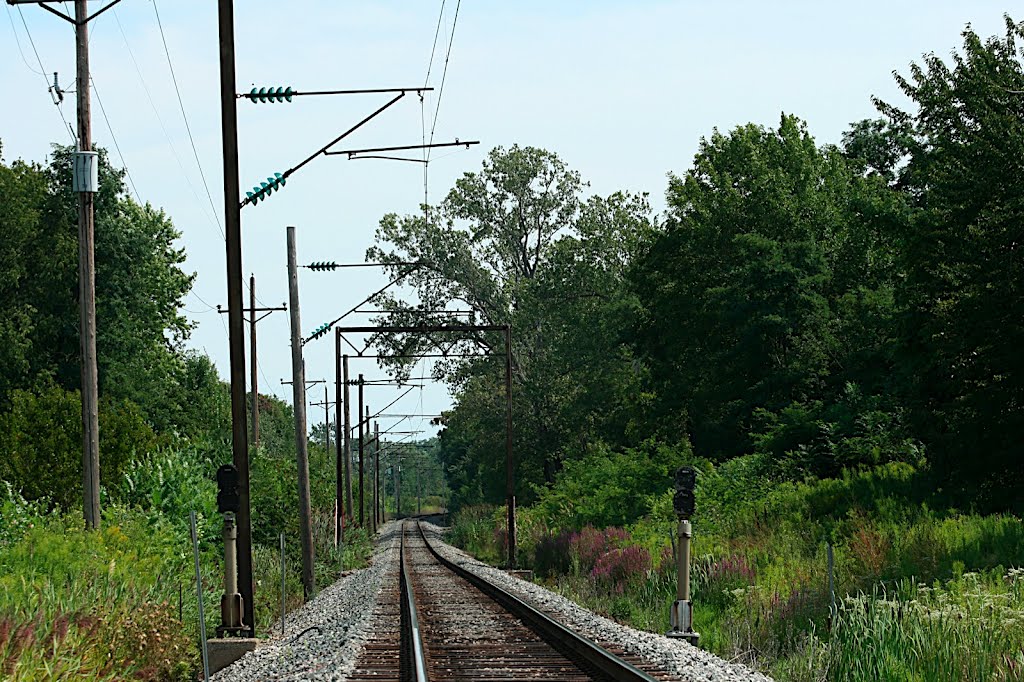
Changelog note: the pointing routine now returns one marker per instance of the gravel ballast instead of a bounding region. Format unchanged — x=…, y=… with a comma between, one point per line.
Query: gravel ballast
x=323, y=639
x=675, y=656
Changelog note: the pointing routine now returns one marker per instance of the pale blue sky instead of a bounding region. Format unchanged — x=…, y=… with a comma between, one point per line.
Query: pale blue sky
x=621, y=90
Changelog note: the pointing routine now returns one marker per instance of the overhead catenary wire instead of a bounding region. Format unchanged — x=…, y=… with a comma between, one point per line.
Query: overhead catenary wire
x=423, y=125
x=159, y=119
x=444, y=75
x=184, y=116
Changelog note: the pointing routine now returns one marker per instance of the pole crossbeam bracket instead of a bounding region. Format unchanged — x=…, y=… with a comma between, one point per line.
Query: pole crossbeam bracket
x=280, y=178
x=279, y=94
x=353, y=153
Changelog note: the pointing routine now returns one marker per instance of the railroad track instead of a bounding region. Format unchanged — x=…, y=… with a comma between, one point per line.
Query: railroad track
x=442, y=622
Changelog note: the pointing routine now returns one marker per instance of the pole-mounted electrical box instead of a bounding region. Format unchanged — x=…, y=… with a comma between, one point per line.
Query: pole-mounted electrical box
x=85, y=175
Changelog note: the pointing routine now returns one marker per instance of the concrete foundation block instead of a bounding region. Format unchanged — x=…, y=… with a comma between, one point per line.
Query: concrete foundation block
x=224, y=652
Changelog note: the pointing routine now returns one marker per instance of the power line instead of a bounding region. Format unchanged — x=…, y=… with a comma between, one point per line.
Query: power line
x=32, y=42
x=191, y=291
x=266, y=381
x=113, y=137
x=423, y=124
x=188, y=128
x=202, y=300
x=42, y=70
x=433, y=49
x=18, y=41
x=444, y=74
x=156, y=113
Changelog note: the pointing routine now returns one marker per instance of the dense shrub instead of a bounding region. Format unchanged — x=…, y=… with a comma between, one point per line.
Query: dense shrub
x=621, y=567
x=551, y=555
x=588, y=545
x=41, y=440
x=18, y=515
x=607, y=487
x=818, y=439
x=170, y=484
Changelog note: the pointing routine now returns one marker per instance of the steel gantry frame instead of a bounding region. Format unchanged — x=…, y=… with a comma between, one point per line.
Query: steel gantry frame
x=506, y=330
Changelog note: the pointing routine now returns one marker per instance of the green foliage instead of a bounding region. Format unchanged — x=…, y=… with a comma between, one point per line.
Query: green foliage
x=24, y=189
x=768, y=244
x=18, y=515
x=140, y=287
x=476, y=528
x=963, y=306
x=41, y=437
x=823, y=440
x=169, y=484
x=606, y=488
x=967, y=629
x=94, y=605
x=518, y=244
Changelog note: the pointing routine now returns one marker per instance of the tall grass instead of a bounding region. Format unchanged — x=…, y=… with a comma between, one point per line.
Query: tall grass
x=970, y=628
x=121, y=603
x=928, y=597
x=97, y=605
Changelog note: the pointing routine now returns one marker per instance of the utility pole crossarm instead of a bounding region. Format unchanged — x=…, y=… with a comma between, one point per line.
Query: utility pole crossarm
x=76, y=22
x=223, y=311
x=308, y=382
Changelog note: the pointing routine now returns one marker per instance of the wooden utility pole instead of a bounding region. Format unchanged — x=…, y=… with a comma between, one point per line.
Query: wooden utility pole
x=253, y=384
x=254, y=405
x=299, y=407
x=236, y=343
x=377, y=472
x=362, y=519
x=378, y=516
x=348, y=437
x=510, y=480
x=339, y=463
x=85, y=182
x=87, y=281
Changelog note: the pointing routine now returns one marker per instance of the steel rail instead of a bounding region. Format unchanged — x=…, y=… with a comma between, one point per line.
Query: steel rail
x=573, y=646
x=415, y=635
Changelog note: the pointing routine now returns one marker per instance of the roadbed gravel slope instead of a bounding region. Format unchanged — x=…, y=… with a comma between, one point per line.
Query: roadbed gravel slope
x=323, y=639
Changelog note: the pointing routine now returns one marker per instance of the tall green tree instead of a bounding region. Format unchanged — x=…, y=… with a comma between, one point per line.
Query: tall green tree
x=23, y=187
x=770, y=284
x=518, y=244
x=140, y=286
x=963, y=328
